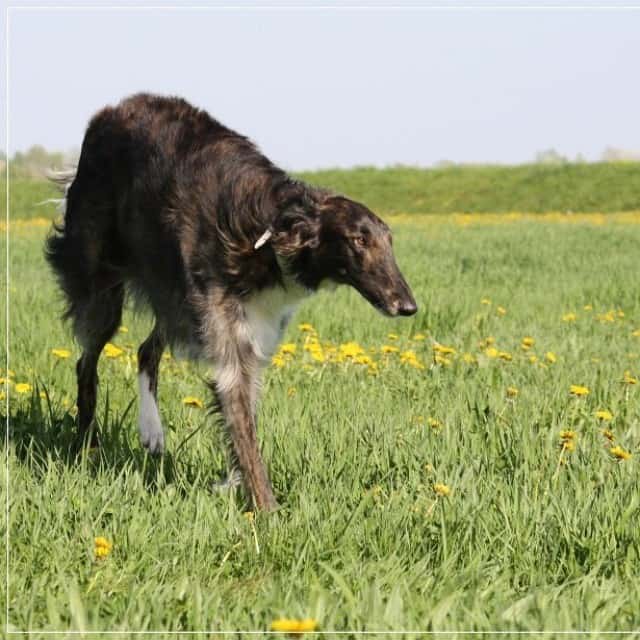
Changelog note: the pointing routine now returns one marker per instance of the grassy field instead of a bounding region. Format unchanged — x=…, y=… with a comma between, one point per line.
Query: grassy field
x=435, y=473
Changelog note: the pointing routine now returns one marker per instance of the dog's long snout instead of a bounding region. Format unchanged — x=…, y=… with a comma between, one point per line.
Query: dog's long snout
x=402, y=301
x=407, y=308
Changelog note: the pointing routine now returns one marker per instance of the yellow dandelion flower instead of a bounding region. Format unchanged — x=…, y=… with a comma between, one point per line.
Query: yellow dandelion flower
x=569, y=317
x=588, y=307
x=61, y=353
x=610, y=316
x=278, y=361
x=318, y=355
x=504, y=355
x=294, y=627
x=192, y=401
x=351, y=350
x=312, y=345
x=620, y=313
x=491, y=352
x=608, y=434
x=469, y=358
x=485, y=301
x=102, y=547
x=440, y=359
x=527, y=343
x=392, y=336
x=550, y=357
x=501, y=311
x=5, y=381
x=387, y=348
x=568, y=445
x=410, y=358
x=123, y=329
x=442, y=490
x=568, y=434
x=418, y=337
x=620, y=453
x=603, y=414
x=533, y=358
x=512, y=392
x=249, y=515
x=376, y=490
x=636, y=333
x=111, y=351
x=23, y=387
x=291, y=391
x=305, y=327
x=629, y=379
x=443, y=350
x=434, y=423
x=289, y=348
x=578, y=390
x=307, y=625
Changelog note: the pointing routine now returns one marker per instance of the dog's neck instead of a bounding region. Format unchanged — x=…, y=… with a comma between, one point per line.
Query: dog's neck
x=290, y=282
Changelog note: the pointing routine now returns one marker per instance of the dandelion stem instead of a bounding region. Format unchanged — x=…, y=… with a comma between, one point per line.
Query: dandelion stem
x=432, y=507
x=556, y=473
x=255, y=535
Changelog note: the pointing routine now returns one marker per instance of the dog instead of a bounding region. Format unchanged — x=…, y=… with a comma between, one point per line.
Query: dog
x=191, y=219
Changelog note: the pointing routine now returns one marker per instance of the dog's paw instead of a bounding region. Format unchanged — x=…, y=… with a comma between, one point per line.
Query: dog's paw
x=149, y=425
x=150, y=429
x=152, y=436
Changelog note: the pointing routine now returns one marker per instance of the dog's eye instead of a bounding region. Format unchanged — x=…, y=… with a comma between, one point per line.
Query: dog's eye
x=360, y=241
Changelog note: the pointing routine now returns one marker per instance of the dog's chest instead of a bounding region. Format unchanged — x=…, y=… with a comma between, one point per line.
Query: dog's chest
x=267, y=314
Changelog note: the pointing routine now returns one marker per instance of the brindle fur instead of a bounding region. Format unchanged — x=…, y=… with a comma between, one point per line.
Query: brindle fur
x=170, y=203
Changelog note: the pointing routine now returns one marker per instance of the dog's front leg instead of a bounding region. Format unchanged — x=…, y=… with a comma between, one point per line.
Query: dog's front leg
x=236, y=386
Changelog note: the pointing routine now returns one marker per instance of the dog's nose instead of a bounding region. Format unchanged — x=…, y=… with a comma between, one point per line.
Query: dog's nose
x=407, y=308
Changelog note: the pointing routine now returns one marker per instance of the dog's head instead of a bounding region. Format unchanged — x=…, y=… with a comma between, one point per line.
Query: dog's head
x=326, y=237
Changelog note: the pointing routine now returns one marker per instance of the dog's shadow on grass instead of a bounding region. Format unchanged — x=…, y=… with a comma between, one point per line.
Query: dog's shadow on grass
x=43, y=434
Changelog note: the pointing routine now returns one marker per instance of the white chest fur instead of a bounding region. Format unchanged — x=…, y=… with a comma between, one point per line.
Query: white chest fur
x=267, y=313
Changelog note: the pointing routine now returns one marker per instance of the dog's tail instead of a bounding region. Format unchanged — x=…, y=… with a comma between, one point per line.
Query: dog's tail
x=63, y=180
x=61, y=253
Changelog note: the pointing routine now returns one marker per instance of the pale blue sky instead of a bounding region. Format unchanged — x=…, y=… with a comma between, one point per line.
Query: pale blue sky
x=319, y=88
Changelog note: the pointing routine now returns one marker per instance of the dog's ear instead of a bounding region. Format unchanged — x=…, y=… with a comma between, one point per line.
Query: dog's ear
x=295, y=230
x=297, y=224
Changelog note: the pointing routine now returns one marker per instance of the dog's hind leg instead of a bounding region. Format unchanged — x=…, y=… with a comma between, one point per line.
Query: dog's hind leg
x=95, y=320
x=150, y=426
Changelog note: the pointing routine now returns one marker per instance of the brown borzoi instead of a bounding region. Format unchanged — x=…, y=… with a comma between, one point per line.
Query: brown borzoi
x=218, y=242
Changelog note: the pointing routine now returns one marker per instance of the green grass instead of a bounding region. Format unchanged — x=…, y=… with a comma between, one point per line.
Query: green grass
x=523, y=542
x=26, y=195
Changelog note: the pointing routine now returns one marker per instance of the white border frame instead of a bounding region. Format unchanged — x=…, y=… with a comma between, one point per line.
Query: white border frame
x=402, y=6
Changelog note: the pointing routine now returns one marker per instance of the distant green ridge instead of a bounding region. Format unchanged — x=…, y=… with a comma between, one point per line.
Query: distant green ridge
x=531, y=188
